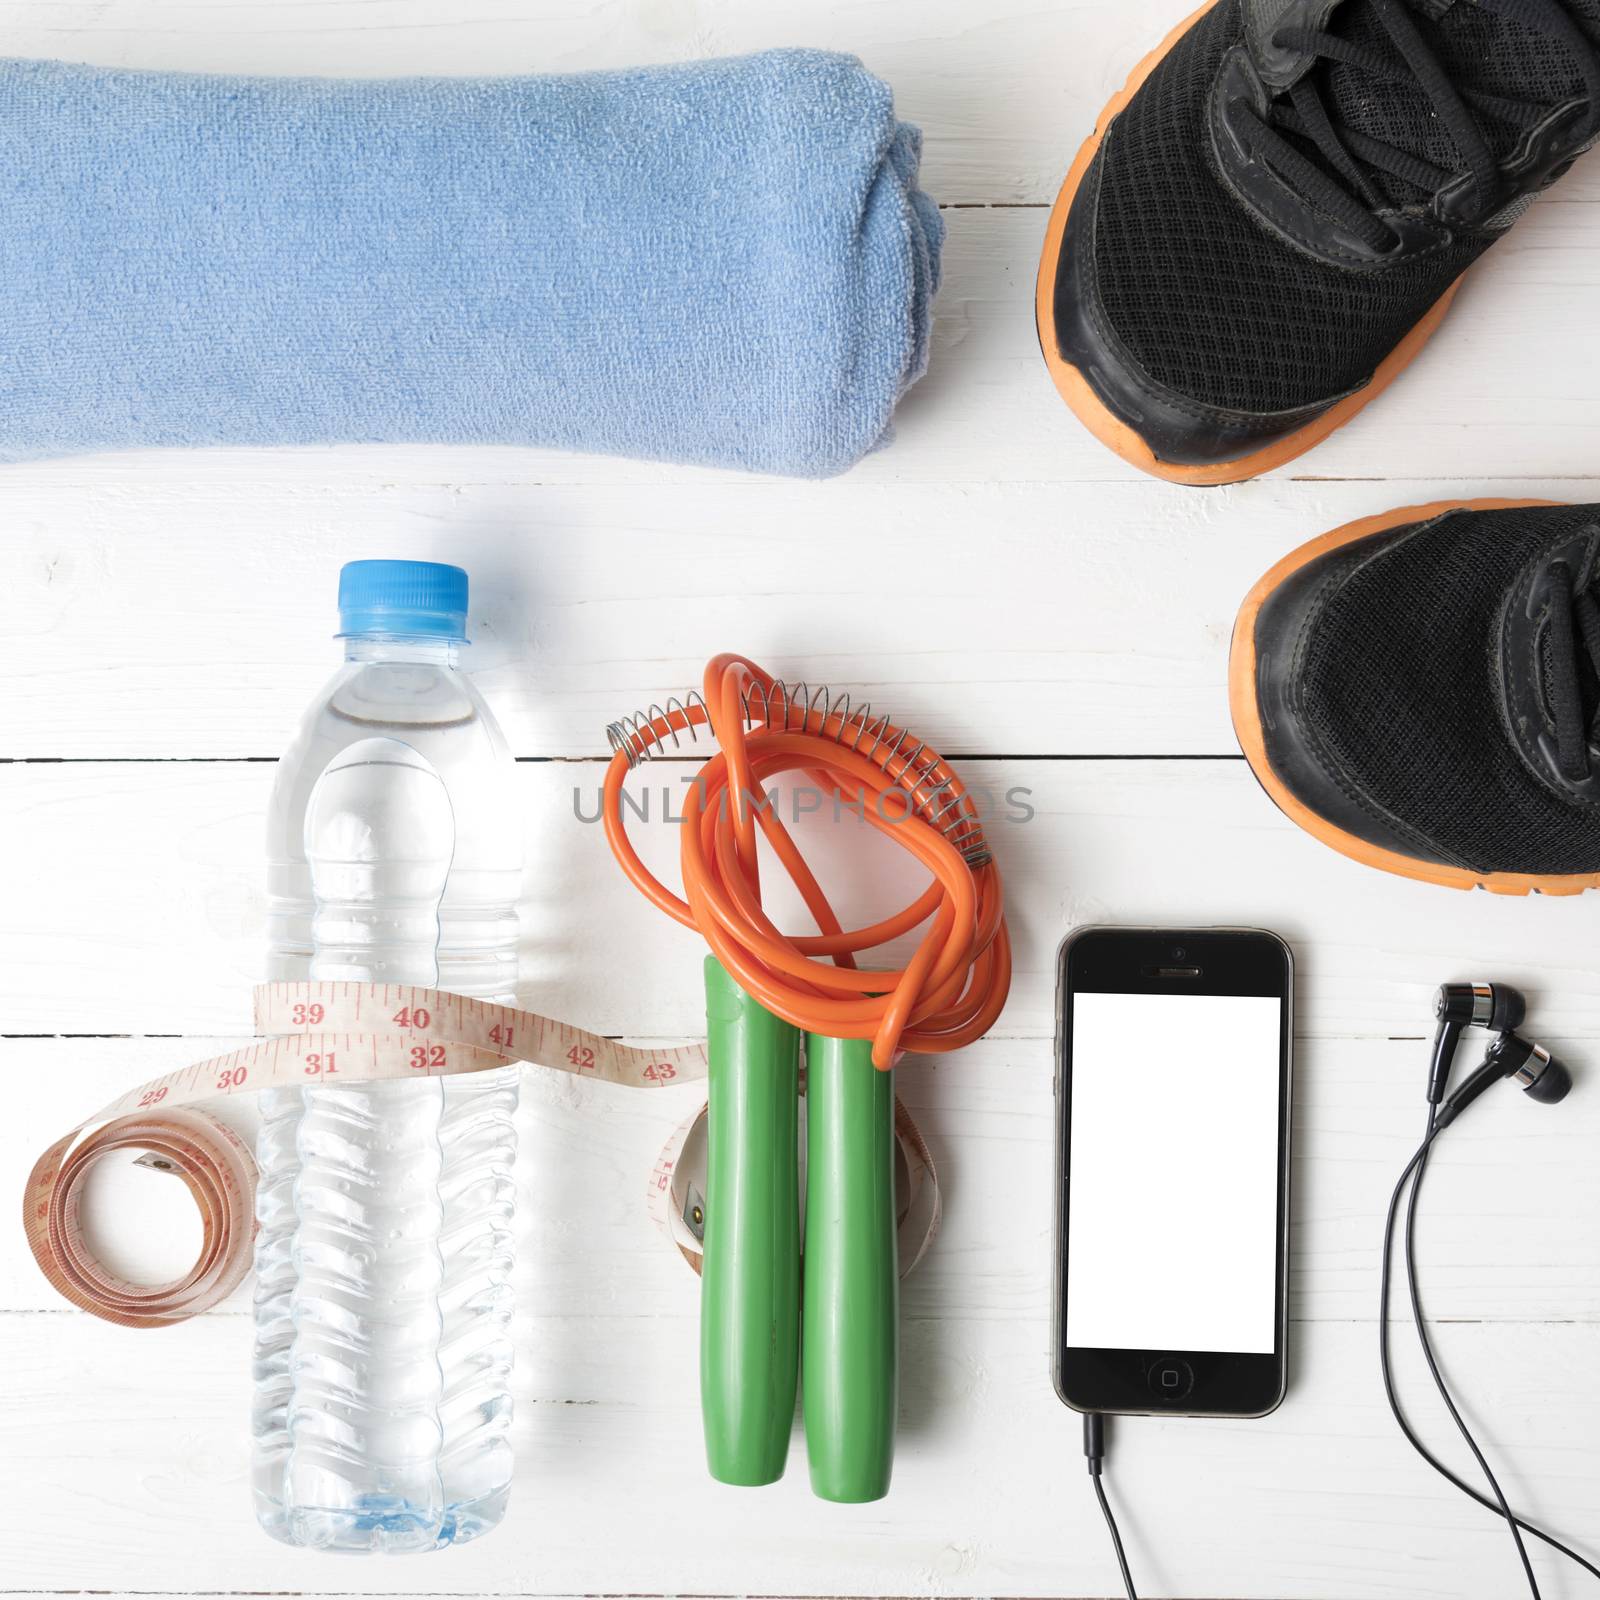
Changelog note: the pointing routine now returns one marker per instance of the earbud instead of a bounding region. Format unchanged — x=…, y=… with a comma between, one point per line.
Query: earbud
x=1459, y=1005
x=1543, y=1076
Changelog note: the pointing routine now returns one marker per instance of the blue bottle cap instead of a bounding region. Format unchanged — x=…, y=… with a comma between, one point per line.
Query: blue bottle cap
x=402, y=600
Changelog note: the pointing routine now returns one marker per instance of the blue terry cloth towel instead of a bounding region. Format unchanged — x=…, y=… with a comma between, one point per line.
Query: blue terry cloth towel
x=727, y=262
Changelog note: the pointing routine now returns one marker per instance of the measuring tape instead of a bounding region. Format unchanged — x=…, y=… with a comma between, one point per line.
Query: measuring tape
x=329, y=1033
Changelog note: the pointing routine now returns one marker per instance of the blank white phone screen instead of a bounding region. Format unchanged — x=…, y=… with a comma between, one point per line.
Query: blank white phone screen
x=1172, y=1200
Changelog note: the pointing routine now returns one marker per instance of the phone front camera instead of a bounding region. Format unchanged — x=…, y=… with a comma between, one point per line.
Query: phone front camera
x=1178, y=952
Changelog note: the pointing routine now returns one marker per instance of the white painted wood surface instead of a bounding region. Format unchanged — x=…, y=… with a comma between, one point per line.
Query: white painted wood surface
x=1011, y=590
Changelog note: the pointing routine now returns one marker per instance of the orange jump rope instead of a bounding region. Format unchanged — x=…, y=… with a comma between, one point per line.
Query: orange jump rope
x=763, y=987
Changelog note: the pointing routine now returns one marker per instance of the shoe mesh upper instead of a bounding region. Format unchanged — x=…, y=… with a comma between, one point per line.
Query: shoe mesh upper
x=1398, y=678
x=1206, y=300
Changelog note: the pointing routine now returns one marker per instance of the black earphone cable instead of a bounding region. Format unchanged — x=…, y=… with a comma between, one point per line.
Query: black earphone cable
x=1094, y=1449
x=1517, y=1524
x=1116, y=1538
x=1415, y=1295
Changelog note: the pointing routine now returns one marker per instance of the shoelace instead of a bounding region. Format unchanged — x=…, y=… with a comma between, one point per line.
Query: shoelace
x=1304, y=112
x=1574, y=625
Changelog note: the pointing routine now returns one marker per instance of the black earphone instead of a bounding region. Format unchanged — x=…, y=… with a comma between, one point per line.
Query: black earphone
x=1459, y=1005
x=1545, y=1078
x=1501, y=1009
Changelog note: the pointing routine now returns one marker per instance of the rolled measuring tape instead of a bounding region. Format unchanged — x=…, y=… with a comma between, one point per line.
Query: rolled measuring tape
x=321, y=1033
x=675, y=1196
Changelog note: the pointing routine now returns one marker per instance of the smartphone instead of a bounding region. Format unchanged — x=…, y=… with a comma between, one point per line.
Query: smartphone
x=1172, y=1114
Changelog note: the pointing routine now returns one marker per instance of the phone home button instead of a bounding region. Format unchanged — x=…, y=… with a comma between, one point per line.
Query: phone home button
x=1170, y=1378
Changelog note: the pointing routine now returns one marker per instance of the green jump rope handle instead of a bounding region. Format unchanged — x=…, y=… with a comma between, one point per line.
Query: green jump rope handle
x=750, y=1276
x=851, y=1343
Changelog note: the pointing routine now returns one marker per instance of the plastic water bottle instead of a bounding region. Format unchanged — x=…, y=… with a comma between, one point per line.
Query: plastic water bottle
x=384, y=1252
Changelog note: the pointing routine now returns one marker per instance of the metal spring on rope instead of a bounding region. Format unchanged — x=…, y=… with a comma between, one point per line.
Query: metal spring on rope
x=644, y=734
x=919, y=772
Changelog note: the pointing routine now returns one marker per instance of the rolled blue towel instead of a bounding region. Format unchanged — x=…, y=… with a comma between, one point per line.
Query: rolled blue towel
x=727, y=262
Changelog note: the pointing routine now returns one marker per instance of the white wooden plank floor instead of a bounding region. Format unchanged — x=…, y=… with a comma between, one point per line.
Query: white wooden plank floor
x=1020, y=597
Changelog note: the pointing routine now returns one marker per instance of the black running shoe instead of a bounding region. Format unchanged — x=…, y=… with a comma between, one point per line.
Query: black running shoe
x=1270, y=218
x=1421, y=690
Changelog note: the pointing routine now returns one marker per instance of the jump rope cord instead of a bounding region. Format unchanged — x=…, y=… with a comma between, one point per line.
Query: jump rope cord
x=1517, y=1525
x=955, y=984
